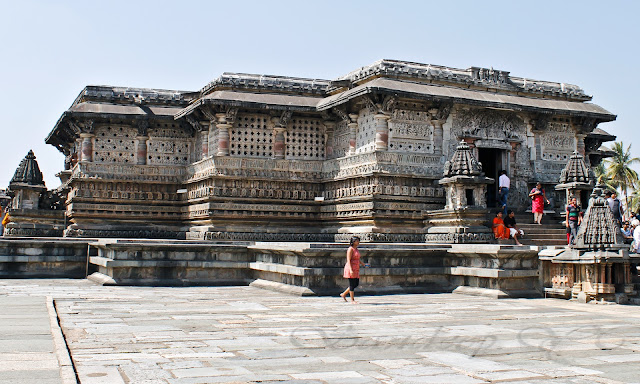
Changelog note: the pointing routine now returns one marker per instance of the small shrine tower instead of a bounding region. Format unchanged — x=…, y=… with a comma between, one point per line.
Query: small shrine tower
x=576, y=179
x=30, y=215
x=463, y=219
x=598, y=266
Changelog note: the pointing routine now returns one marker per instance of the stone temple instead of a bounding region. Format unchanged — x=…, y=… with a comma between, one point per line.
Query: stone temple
x=261, y=180
x=275, y=158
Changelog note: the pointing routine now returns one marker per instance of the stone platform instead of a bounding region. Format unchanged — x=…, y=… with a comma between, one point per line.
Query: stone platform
x=189, y=335
x=316, y=268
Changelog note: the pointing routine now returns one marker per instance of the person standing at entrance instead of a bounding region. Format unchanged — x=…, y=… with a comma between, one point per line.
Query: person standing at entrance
x=503, y=190
x=574, y=219
x=352, y=269
x=538, y=198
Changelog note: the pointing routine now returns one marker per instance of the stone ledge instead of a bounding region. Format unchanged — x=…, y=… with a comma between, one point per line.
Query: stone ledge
x=496, y=293
x=492, y=273
x=110, y=263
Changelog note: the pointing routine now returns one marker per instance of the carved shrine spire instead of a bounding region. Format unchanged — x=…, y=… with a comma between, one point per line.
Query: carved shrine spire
x=463, y=163
x=576, y=171
x=599, y=230
x=28, y=172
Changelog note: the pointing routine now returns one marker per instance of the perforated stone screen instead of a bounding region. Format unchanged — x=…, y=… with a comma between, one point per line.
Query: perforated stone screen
x=169, y=144
x=340, y=141
x=366, y=136
x=251, y=137
x=114, y=144
x=410, y=131
x=305, y=139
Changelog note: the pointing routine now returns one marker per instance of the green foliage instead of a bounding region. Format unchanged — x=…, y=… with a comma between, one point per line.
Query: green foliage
x=619, y=171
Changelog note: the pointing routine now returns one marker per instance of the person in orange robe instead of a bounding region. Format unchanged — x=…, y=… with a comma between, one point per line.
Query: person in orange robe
x=500, y=231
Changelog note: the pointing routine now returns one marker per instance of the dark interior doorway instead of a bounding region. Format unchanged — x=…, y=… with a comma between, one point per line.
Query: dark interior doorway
x=491, y=160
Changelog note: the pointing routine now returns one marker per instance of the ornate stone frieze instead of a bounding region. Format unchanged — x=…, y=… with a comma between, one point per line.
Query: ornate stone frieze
x=489, y=124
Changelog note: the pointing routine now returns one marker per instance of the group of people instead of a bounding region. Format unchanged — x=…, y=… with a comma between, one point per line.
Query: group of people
x=504, y=224
x=537, y=195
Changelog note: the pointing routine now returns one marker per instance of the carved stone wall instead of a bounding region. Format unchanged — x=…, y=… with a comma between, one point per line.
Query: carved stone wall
x=410, y=130
x=169, y=144
x=340, y=141
x=557, y=140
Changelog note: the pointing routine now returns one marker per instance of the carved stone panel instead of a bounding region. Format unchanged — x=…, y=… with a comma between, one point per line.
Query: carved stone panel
x=557, y=141
x=410, y=131
x=340, y=141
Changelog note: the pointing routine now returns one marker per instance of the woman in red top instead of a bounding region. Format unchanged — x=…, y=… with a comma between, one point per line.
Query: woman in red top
x=538, y=198
x=352, y=269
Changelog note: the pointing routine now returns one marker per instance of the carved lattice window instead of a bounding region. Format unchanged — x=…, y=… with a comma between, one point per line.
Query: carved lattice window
x=410, y=131
x=366, y=137
x=167, y=151
x=340, y=140
x=305, y=139
x=114, y=144
x=251, y=137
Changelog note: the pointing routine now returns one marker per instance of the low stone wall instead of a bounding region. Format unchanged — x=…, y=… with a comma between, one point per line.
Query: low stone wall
x=298, y=268
x=308, y=268
x=43, y=257
x=169, y=263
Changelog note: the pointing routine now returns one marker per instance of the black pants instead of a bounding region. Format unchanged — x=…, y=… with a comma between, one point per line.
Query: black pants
x=353, y=283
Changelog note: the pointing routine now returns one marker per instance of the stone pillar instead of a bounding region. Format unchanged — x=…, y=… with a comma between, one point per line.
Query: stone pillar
x=278, y=143
x=87, y=147
x=223, y=135
x=580, y=144
x=330, y=127
x=204, y=135
x=382, y=132
x=438, y=137
x=353, y=131
x=67, y=159
x=142, y=150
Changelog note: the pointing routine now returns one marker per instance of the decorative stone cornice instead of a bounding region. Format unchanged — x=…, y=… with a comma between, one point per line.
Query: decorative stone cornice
x=267, y=83
x=481, y=77
x=134, y=95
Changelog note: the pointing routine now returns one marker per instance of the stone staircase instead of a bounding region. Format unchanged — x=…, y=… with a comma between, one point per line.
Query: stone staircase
x=552, y=232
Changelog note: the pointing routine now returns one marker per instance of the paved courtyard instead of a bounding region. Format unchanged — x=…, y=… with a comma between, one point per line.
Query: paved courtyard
x=244, y=334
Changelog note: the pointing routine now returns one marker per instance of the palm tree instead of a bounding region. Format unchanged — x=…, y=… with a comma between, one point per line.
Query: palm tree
x=601, y=177
x=619, y=169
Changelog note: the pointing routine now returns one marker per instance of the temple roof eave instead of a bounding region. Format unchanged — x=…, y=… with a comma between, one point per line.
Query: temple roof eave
x=253, y=100
x=57, y=137
x=469, y=97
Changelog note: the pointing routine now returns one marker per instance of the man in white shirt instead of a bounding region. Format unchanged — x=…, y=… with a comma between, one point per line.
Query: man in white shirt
x=635, y=224
x=504, y=184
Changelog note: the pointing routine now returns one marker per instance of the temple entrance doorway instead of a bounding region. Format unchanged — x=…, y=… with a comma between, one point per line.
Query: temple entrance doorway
x=492, y=164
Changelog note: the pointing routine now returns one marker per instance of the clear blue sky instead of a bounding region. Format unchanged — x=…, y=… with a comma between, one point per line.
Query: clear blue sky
x=51, y=50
